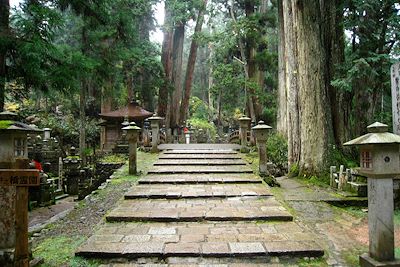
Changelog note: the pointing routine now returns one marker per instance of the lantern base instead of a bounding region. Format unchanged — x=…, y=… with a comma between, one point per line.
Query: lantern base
x=367, y=261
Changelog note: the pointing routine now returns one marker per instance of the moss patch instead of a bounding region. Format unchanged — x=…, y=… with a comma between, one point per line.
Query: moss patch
x=59, y=251
x=4, y=124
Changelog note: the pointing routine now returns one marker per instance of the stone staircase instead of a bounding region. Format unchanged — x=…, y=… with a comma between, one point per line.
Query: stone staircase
x=202, y=204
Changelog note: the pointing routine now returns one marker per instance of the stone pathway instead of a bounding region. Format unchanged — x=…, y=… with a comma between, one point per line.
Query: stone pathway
x=187, y=206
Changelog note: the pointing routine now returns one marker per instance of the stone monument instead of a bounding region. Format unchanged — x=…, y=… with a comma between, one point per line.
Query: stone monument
x=261, y=131
x=132, y=133
x=155, y=131
x=380, y=162
x=243, y=128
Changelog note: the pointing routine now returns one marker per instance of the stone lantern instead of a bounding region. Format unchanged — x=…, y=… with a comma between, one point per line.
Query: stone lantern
x=155, y=130
x=47, y=132
x=380, y=162
x=261, y=132
x=13, y=155
x=244, y=126
x=132, y=135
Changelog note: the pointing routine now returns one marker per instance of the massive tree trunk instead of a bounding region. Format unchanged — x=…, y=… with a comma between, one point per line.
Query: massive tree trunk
x=315, y=124
x=190, y=64
x=333, y=33
x=282, y=96
x=177, y=56
x=292, y=87
x=249, y=102
x=166, y=61
x=252, y=67
x=4, y=35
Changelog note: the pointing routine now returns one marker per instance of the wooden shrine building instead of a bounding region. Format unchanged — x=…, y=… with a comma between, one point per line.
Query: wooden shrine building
x=111, y=125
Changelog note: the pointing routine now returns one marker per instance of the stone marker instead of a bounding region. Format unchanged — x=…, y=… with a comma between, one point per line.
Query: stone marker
x=15, y=179
x=132, y=133
x=395, y=78
x=244, y=126
x=47, y=133
x=380, y=162
x=155, y=132
x=261, y=131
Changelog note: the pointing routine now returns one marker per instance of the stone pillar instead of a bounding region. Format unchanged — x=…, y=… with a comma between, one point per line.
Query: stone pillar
x=244, y=126
x=395, y=78
x=132, y=135
x=380, y=219
x=47, y=133
x=260, y=132
x=155, y=131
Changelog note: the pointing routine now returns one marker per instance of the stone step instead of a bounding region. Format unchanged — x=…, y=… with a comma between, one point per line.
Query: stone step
x=195, y=210
x=200, y=151
x=233, y=239
x=199, y=156
x=199, y=178
x=200, y=169
x=196, y=162
x=197, y=191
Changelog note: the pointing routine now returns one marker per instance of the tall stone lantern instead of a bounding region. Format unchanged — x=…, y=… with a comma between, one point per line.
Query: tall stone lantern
x=155, y=132
x=132, y=133
x=261, y=131
x=380, y=162
x=244, y=126
x=14, y=182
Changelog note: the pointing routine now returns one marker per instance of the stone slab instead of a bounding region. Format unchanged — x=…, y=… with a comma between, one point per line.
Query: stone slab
x=201, y=151
x=199, y=162
x=199, y=178
x=199, y=146
x=199, y=169
x=191, y=210
x=197, y=191
x=199, y=156
x=210, y=240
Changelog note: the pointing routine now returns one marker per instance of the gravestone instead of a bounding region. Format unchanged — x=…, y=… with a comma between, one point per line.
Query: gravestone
x=395, y=78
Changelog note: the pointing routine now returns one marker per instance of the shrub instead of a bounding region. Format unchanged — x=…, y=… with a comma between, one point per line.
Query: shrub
x=277, y=150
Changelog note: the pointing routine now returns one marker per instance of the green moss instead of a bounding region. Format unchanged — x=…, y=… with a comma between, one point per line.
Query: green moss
x=4, y=124
x=318, y=262
x=114, y=158
x=59, y=251
x=294, y=170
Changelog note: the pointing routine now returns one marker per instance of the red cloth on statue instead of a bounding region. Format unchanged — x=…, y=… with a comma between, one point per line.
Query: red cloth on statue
x=38, y=165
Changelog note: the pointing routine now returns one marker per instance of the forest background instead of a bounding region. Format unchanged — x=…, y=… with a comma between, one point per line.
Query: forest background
x=318, y=71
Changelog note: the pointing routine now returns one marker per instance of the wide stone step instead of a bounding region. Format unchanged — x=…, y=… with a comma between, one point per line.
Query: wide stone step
x=200, y=169
x=197, y=191
x=199, y=156
x=233, y=239
x=201, y=151
x=199, y=162
x=199, y=178
x=194, y=210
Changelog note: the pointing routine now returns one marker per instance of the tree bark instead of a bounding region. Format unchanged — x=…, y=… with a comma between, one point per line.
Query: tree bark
x=249, y=102
x=315, y=124
x=177, y=56
x=282, y=59
x=4, y=35
x=166, y=61
x=82, y=104
x=292, y=86
x=191, y=64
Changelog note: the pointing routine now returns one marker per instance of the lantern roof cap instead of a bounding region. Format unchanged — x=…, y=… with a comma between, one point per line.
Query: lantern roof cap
x=8, y=122
x=155, y=117
x=132, y=126
x=244, y=118
x=261, y=126
x=377, y=134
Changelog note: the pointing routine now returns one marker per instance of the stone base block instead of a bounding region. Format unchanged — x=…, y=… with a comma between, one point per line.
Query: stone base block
x=367, y=261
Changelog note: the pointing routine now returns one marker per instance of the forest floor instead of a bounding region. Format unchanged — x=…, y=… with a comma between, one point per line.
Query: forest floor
x=342, y=232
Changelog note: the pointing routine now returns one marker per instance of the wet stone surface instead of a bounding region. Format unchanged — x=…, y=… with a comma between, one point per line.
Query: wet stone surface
x=200, y=211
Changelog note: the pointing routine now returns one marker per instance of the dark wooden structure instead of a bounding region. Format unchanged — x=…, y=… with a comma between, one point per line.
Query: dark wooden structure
x=111, y=128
